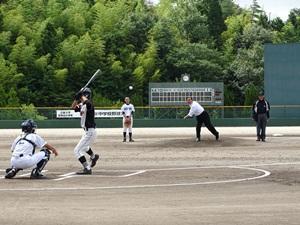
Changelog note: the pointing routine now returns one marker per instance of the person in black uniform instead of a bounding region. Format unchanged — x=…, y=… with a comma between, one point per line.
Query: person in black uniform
x=260, y=114
x=84, y=105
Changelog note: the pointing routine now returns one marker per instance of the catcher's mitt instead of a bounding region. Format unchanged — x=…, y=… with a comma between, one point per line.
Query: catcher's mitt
x=127, y=121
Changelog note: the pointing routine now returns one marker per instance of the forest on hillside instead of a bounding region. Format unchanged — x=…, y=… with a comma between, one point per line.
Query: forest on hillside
x=50, y=48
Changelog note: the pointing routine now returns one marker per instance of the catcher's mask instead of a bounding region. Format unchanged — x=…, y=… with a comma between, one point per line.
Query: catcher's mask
x=28, y=126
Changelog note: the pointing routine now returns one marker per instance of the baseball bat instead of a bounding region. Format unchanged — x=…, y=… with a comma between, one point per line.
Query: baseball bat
x=91, y=79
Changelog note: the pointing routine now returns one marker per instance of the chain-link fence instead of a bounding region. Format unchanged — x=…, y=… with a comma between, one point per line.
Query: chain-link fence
x=216, y=112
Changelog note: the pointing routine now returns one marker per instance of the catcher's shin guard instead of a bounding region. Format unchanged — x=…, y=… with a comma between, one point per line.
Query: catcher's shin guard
x=36, y=172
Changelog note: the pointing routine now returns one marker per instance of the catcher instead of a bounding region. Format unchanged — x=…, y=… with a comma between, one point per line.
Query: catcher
x=127, y=112
x=24, y=155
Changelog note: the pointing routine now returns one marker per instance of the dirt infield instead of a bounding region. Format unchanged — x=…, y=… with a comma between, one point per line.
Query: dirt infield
x=163, y=178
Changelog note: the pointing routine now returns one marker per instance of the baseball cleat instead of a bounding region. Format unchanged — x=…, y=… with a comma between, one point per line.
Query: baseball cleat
x=85, y=171
x=36, y=176
x=131, y=140
x=124, y=140
x=197, y=139
x=217, y=136
x=11, y=173
x=94, y=160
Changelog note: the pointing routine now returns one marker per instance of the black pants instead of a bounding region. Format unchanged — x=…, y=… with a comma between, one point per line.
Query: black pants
x=261, y=125
x=204, y=118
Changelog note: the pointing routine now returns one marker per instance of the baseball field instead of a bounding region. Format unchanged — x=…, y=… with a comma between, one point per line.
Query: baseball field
x=163, y=178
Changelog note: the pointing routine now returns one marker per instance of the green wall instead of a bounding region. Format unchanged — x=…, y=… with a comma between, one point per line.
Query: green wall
x=107, y=123
x=282, y=78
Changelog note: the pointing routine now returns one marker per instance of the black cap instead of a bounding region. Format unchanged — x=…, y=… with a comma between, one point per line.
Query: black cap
x=261, y=93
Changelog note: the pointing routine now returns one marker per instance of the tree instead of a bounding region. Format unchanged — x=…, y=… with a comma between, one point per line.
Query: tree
x=12, y=98
x=294, y=17
x=215, y=20
x=146, y=70
x=190, y=20
x=232, y=37
x=277, y=24
x=251, y=92
x=202, y=63
x=256, y=10
x=49, y=40
x=23, y=54
x=229, y=8
x=164, y=33
x=248, y=67
x=49, y=47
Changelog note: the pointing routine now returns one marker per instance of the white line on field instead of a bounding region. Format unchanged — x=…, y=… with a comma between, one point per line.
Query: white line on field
x=265, y=173
x=73, y=174
x=65, y=177
x=133, y=174
x=24, y=174
x=67, y=174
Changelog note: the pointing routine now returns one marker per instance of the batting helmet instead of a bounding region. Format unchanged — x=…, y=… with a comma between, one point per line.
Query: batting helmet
x=28, y=126
x=87, y=92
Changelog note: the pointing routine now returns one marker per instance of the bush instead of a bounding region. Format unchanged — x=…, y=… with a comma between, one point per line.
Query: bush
x=251, y=93
x=30, y=112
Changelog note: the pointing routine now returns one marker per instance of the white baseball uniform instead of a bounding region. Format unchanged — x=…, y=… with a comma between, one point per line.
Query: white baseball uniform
x=23, y=151
x=87, y=113
x=127, y=110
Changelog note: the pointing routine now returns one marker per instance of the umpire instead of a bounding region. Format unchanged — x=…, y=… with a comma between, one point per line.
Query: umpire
x=202, y=117
x=260, y=113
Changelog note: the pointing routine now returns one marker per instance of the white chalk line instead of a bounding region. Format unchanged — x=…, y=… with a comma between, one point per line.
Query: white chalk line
x=73, y=174
x=23, y=175
x=265, y=173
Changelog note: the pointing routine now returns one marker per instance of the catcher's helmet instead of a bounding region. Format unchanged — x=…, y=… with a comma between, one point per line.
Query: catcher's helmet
x=28, y=126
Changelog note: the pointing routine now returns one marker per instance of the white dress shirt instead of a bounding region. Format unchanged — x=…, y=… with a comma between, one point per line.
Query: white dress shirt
x=196, y=109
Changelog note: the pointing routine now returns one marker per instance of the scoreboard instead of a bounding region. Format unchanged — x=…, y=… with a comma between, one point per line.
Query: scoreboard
x=175, y=94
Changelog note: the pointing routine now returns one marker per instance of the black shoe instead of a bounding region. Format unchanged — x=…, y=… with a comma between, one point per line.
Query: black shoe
x=85, y=171
x=258, y=139
x=124, y=140
x=217, y=136
x=131, y=140
x=36, y=176
x=7, y=170
x=94, y=160
x=11, y=172
x=263, y=140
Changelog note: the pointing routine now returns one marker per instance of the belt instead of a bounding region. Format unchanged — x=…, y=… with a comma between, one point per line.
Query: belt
x=87, y=128
x=21, y=155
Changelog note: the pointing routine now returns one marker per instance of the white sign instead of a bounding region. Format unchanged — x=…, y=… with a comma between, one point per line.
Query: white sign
x=98, y=113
